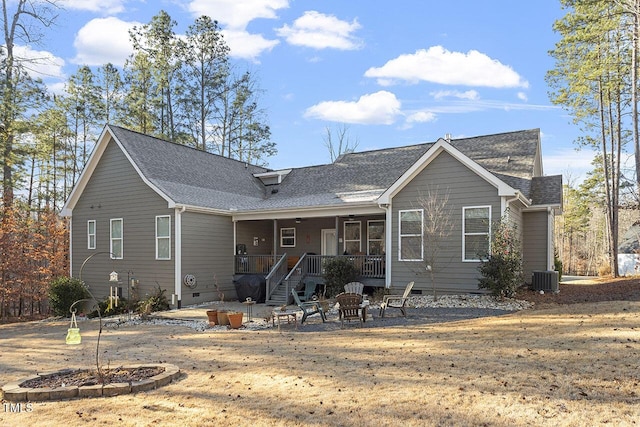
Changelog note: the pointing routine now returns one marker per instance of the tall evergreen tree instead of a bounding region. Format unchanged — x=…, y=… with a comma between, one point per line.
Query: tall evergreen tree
x=202, y=77
x=111, y=88
x=84, y=104
x=138, y=113
x=158, y=42
x=591, y=81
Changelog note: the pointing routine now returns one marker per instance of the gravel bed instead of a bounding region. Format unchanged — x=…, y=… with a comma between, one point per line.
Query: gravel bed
x=422, y=310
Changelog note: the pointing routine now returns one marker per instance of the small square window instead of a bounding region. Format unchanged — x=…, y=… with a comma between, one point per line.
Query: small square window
x=288, y=237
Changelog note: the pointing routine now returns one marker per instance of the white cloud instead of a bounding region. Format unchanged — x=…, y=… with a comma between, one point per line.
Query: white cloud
x=419, y=117
x=247, y=46
x=235, y=14
x=320, y=31
x=39, y=63
x=377, y=108
x=102, y=41
x=522, y=96
x=438, y=65
x=97, y=6
x=469, y=94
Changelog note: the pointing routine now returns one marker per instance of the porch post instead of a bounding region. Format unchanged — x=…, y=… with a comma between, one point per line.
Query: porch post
x=388, y=230
x=275, y=240
x=337, y=235
x=235, y=239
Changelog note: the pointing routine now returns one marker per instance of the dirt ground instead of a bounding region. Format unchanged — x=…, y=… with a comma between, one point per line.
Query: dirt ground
x=572, y=359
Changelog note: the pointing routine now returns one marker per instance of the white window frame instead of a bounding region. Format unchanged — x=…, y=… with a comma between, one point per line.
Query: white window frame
x=112, y=238
x=344, y=233
x=369, y=239
x=91, y=236
x=421, y=235
x=159, y=238
x=465, y=234
x=282, y=237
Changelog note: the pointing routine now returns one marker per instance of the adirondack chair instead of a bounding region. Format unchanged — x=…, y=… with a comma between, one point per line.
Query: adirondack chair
x=354, y=288
x=309, y=290
x=396, y=301
x=308, y=307
x=349, y=307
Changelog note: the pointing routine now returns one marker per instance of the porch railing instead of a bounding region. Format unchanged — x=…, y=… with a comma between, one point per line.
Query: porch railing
x=275, y=276
x=369, y=265
x=254, y=264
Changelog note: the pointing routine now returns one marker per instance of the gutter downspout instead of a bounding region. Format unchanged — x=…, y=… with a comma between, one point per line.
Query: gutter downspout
x=71, y=246
x=178, y=254
x=550, y=241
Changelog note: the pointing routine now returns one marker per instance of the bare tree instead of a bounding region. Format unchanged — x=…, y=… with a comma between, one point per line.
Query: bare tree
x=437, y=227
x=340, y=143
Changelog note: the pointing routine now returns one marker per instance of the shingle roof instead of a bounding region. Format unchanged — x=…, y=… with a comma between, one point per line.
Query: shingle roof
x=189, y=176
x=193, y=177
x=546, y=190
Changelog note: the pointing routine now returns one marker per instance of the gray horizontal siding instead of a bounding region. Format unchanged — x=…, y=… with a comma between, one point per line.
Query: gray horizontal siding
x=443, y=175
x=115, y=190
x=208, y=254
x=536, y=241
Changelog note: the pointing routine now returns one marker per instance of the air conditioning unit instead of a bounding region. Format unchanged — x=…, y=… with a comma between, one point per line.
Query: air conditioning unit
x=545, y=281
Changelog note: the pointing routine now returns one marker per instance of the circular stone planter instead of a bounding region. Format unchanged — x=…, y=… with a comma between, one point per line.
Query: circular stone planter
x=14, y=392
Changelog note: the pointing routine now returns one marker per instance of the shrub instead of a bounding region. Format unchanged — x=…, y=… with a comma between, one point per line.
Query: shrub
x=107, y=309
x=63, y=292
x=338, y=272
x=156, y=302
x=502, y=270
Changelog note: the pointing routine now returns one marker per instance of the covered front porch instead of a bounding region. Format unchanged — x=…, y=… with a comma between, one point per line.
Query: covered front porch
x=291, y=252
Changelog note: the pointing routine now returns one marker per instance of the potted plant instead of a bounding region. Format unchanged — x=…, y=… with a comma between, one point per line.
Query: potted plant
x=235, y=319
x=223, y=319
x=213, y=317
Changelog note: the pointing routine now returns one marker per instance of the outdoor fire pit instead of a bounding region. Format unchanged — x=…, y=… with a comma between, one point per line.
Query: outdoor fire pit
x=82, y=383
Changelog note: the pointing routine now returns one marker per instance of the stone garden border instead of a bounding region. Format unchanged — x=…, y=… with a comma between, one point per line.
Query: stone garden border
x=14, y=392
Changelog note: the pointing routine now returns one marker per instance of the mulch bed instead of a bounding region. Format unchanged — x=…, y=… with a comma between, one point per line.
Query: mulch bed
x=85, y=377
x=601, y=289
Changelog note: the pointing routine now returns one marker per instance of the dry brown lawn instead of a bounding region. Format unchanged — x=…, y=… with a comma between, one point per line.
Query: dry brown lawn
x=565, y=363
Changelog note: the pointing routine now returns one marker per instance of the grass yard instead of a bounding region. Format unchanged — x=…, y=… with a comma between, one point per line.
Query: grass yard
x=560, y=365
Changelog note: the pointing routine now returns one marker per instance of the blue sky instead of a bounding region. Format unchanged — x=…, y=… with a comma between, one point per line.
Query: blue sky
x=396, y=73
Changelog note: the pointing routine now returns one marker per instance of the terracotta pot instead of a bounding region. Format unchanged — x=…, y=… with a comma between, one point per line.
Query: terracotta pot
x=213, y=317
x=235, y=319
x=223, y=319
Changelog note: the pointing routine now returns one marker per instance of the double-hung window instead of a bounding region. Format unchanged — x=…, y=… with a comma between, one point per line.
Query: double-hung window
x=163, y=237
x=375, y=234
x=116, y=238
x=288, y=237
x=410, y=247
x=476, y=232
x=91, y=234
x=352, y=235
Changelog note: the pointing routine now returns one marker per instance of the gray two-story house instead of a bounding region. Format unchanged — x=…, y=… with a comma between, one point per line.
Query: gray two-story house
x=190, y=222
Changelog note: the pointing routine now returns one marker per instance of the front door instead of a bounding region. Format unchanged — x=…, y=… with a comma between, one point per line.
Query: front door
x=329, y=242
